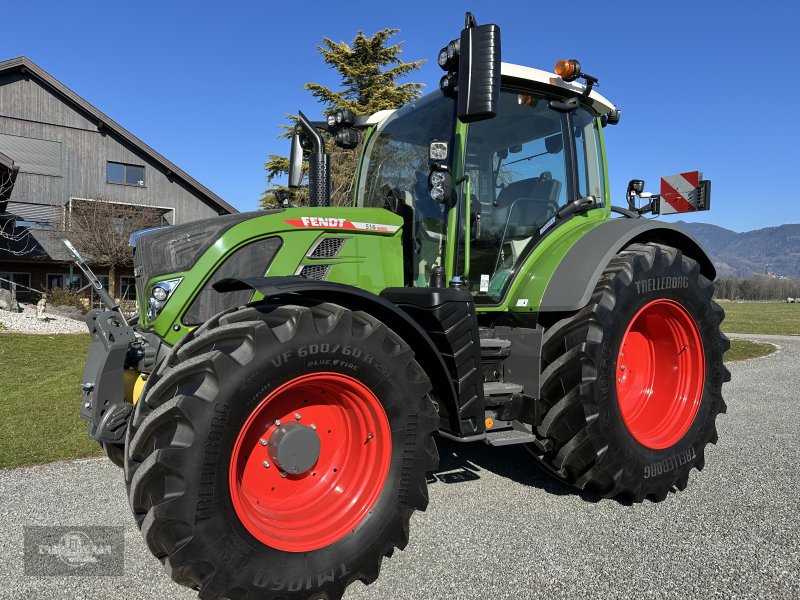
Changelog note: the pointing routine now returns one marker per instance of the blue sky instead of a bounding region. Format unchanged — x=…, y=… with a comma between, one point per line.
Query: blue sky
x=702, y=85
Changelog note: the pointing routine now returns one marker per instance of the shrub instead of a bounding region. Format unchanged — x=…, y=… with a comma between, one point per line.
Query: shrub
x=65, y=297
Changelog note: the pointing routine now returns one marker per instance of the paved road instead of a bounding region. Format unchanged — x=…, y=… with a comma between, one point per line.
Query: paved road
x=498, y=528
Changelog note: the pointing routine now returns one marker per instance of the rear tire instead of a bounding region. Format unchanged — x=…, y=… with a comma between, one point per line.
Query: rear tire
x=636, y=434
x=197, y=486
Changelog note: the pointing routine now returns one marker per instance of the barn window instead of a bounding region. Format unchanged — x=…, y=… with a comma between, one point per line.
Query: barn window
x=124, y=173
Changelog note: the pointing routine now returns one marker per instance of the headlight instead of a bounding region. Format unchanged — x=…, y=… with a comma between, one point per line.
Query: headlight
x=440, y=184
x=448, y=56
x=437, y=151
x=437, y=179
x=452, y=49
x=442, y=58
x=159, y=294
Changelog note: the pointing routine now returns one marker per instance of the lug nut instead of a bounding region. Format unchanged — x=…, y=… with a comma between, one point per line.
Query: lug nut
x=314, y=427
x=297, y=416
x=277, y=422
x=266, y=464
x=263, y=442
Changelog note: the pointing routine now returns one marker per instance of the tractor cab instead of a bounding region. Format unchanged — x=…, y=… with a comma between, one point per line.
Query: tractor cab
x=511, y=174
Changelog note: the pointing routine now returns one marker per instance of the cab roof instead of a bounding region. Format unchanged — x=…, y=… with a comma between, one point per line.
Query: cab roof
x=508, y=70
x=599, y=103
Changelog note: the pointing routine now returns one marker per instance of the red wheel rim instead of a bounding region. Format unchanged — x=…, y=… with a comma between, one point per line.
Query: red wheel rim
x=660, y=374
x=311, y=510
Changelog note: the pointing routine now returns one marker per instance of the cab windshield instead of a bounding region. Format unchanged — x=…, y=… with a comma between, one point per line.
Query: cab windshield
x=395, y=167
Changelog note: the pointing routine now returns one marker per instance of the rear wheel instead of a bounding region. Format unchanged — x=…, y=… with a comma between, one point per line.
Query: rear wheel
x=280, y=451
x=632, y=382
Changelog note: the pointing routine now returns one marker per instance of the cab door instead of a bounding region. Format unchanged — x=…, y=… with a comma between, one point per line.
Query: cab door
x=523, y=166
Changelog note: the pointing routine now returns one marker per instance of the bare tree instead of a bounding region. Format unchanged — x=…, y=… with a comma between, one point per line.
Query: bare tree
x=100, y=230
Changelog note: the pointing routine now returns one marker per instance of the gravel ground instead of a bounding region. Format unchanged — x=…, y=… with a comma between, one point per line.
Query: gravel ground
x=498, y=528
x=27, y=322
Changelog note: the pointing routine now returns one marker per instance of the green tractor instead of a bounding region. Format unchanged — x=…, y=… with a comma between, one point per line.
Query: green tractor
x=276, y=401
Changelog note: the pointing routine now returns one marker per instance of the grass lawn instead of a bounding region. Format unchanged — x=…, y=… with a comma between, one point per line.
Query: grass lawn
x=744, y=349
x=40, y=399
x=779, y=318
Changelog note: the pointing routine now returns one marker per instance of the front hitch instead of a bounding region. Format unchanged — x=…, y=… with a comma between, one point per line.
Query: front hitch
x=104, y=404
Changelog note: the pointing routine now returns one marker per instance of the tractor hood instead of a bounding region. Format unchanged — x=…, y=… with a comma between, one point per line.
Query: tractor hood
x=356, y=246
x=163, y=250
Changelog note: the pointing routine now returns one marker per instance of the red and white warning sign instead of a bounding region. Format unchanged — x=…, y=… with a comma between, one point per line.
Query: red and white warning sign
x=681, y=193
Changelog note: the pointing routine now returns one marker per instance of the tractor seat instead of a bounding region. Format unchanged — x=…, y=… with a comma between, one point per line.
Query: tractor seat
x=543, y=188
x=526, y=204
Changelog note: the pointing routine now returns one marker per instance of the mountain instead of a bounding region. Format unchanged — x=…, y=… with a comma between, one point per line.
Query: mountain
x=772, y=249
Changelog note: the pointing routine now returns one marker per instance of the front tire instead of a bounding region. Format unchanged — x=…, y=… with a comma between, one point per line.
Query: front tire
x=280, y=451
x=114, y=452
x=632, y=382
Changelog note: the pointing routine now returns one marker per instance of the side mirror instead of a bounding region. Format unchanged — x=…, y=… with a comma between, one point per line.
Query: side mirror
x=636, y=186
x=296, y=160
x=478, y=71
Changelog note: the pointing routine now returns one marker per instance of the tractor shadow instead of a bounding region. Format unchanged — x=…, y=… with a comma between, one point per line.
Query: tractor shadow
x=461, y=463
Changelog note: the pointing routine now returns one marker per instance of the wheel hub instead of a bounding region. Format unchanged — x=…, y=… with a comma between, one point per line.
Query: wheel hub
x=294, y=448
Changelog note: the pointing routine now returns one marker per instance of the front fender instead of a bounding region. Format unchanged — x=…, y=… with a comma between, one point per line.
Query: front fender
x=427, y=355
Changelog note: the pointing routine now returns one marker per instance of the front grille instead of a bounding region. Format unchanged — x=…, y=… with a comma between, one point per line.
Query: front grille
x=327, y=247
x=314, y=271
x=252, y=260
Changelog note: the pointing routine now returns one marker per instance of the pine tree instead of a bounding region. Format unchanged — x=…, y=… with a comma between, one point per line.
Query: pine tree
x=370, y=71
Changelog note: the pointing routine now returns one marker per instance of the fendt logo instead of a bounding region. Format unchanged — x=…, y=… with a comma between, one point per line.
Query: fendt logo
x=337, y=223
x=322, y=222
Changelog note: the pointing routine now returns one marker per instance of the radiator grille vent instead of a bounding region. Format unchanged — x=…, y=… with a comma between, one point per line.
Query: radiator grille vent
x=327, y=248
x=315, y=271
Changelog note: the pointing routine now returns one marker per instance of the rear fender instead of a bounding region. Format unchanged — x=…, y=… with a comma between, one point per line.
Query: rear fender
x=578, y=272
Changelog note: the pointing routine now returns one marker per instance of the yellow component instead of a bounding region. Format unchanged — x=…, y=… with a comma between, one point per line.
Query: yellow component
x=489, y=422
x=134, y=384
x=138, y=387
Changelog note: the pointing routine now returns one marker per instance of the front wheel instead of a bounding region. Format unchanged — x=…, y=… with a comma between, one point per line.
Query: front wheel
x=114, y=452
x=632, y=382
x=280, y=451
